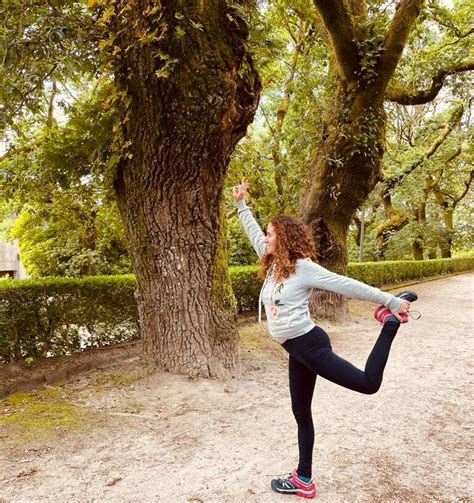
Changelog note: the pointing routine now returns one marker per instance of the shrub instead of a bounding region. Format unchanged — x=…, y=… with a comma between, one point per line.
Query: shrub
x=395, y=271
x=58, y=316
x=246, y=286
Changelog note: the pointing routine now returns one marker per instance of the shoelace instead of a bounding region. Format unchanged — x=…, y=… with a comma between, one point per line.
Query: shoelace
x=414, y=315
x=287, y=477
x=284, y=477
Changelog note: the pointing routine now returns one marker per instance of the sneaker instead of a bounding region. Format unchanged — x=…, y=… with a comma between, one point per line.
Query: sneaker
x=409, y=295
x=382, y=313
x=292, y=484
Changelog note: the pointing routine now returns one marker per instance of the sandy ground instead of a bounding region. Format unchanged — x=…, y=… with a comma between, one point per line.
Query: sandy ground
x=164, y=438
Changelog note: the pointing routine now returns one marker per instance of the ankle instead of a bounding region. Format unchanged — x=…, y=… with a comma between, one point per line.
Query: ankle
x=306, y=480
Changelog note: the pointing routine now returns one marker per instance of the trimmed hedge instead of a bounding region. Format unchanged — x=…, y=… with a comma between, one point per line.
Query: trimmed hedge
x=395, y=271
x=58, y=316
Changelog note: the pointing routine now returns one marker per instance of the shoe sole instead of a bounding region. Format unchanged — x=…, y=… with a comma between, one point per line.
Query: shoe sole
x=409, y=295
x=297, y=492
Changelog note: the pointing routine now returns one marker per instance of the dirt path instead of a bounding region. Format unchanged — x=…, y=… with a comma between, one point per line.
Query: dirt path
x=122, y=435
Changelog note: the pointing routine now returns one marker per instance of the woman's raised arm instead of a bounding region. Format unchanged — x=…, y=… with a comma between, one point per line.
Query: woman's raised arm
x=251, y=227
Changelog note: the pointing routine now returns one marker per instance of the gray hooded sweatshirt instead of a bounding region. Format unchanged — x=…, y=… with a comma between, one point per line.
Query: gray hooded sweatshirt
x=287, y=303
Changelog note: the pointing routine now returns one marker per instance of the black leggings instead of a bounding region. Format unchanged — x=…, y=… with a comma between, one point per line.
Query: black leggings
x=311, y=355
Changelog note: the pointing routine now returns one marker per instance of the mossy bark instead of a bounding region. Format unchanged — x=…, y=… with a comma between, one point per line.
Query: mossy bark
x=418, y=245
x=188, y=96
x=446, y=241
x=345, y=169
x=347, y=163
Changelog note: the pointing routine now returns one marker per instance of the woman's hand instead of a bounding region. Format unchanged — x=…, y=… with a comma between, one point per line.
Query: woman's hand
x=239, y=191
x=404, y=308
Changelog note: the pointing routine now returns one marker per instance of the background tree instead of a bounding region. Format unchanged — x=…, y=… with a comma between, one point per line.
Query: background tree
x=395, y=220
x=41, y=42
x=285, y=42
x=449, y=198
x=68, y=223
x=424, y=147
x=367, y=41
x=311, y=112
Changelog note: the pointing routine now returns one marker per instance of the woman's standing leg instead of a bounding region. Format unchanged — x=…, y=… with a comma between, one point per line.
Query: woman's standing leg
x=302, y=382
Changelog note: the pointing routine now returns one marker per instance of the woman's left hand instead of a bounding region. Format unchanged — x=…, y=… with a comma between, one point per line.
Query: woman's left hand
x=239, y=191
x=404, y=308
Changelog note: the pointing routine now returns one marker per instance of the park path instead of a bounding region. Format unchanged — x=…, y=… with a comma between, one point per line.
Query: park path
x=168, y=439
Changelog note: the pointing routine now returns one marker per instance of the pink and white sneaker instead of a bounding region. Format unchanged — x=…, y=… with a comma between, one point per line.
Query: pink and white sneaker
x=292, y=484
x=382, y=313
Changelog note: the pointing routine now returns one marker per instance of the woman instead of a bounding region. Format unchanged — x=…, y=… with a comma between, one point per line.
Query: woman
x=287, y=257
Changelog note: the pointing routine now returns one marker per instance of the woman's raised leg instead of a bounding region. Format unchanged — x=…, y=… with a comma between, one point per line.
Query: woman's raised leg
x=314, y=350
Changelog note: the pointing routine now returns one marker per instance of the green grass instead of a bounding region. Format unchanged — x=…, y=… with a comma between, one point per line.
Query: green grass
x=40, y=414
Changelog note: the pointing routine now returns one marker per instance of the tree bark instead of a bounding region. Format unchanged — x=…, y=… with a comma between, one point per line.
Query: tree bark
x=446, y=241
x=419, y=241
x=342, y=174
x=394, y=222
x=186, y=91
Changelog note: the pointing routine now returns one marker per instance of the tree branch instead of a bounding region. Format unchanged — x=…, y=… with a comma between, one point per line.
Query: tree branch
x=404, y=97
x=431, y=182
x=339, y=23
x=396, y=180
x=24, y=96
x=24, y=149
x=443, y=197
x=454, y=42
x=438, y=14
x=467, y=184
x=397, y=35
x=453, y=156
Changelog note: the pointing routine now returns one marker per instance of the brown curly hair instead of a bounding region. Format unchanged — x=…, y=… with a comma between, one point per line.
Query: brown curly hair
x=293, y=241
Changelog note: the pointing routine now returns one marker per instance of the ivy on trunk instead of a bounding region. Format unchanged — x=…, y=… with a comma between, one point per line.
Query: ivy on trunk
x=347, y=163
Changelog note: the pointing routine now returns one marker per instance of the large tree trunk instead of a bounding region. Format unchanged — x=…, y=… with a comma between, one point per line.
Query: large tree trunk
x=188, y=93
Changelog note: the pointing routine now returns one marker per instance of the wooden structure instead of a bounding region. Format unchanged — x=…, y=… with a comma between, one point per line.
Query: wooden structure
x=10, y=264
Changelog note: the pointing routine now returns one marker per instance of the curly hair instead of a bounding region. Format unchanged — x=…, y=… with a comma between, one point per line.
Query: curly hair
x=293, y=241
